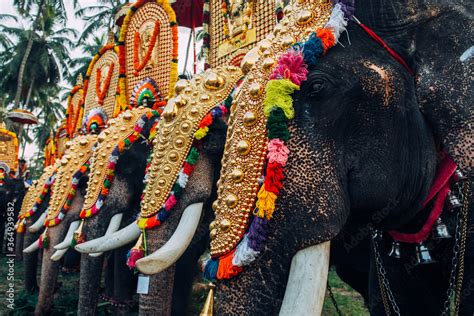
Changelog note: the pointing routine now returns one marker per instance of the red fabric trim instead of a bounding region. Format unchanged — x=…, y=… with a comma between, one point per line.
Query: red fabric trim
x=382, y=43
x=424, y=232
x=439, y=189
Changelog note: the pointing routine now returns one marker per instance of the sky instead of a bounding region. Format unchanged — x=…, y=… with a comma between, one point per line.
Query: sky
x=6, y=7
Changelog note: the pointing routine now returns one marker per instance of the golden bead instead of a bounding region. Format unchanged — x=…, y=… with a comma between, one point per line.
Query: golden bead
x=180, y=85
x=268, y=63
x=215, y=204
x=304, y=16
x=68, y=144
x=161, y=182
x=212, y=225
x=237, y=175
x=204, y=98
x=243, y=147
x=179, y=142
x=180, y=101
x=264, y=45
x=194, y=111
x=115, y=137
x=167, y=169
x=101, y=138
x=123, y=129
x=157, y=192
x=255, y=89
x=287, y=40
x=231, y=200
x=173, y=156
x=81, y=155
x=225, y=225
x=249, y=60
x=127, y=116
x=214, y=81
x=185, y=127
x=213, y=233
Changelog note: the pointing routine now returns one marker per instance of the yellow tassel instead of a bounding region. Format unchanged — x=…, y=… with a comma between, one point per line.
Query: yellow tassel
x=208, y=309
x=265, y=203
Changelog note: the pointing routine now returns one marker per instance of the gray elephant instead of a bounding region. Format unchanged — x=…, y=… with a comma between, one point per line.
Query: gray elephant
x=359, y=144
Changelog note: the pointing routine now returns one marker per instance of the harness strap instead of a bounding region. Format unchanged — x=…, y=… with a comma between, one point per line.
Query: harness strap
x=382, y=43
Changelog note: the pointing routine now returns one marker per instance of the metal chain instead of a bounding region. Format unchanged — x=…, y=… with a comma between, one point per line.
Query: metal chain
x=382, y=274
x=333, y=299
x=454, y=265
x=465, y=194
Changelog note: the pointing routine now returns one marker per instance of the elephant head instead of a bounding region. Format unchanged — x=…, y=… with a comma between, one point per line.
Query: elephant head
x=118, y=206
x=358, y=144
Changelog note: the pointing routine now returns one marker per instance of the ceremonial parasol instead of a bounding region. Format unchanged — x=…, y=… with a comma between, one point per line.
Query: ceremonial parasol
x=189, y=12
x=22, y=117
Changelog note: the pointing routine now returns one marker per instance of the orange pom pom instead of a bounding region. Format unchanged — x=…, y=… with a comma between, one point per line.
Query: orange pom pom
x=327, y=37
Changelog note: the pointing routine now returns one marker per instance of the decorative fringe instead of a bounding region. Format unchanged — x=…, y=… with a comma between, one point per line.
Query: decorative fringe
x=79, y=236
x=21, y=228
x=226, y=269
x=244, y=255
x=278, y=94
x=266, y=203
x=136, y=253
x=43, y=241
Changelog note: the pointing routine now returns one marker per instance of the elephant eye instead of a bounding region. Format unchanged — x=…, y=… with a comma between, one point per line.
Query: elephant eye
x=317, y=86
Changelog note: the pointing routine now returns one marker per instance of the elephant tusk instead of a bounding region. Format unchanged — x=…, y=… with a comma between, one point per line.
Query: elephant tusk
x=32, y=248
x=105, y=243
x=58, y=254
x=114, y=225
x=176, y=245
x=36, y=226
x=69, y=235
x=307, y=281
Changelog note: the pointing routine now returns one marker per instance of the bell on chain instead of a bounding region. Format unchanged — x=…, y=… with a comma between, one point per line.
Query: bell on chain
x=395, y=251
x=423, y=255
x=453, y=202
x=458, y=176
x=440, y=231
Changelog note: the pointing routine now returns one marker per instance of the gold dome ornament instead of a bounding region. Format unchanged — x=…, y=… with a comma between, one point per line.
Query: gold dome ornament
x=214, y=81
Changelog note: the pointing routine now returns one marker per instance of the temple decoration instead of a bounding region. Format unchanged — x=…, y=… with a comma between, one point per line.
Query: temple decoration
x=233, y=27
x=50, y=150
x=255, y=151
x=148, y=53
x=101, y=81
x=8, y=148
x=185, y=122
x=95, y=121
x=75, y=108
x=34, y=194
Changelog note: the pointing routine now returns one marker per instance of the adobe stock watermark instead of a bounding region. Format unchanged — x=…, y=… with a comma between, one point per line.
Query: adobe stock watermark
x=10, y=254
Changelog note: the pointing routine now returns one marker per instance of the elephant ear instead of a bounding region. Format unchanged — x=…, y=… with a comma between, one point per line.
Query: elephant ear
x=256, y=152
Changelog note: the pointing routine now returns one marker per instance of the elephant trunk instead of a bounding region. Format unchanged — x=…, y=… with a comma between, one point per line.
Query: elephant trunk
x=19, y=242
x=49, y=271
x=30, y=263
x=91, y=269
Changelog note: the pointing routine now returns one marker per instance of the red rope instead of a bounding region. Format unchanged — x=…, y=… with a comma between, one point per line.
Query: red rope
x=382, y=43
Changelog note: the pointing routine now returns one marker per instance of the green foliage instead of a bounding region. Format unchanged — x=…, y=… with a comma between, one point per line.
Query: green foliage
x=99, y=17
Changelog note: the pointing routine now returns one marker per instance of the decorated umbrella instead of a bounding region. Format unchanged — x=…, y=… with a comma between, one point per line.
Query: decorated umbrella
x=189, y=13
x=22, y=117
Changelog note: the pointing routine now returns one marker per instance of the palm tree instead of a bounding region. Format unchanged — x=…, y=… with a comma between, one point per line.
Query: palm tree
x=44, y=8
x=5, y=42
x=49, y=58
x=99, y=16
x=89, y=49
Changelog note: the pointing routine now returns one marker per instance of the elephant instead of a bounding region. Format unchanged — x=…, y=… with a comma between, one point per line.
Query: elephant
x=124, y=198
x=364, y=139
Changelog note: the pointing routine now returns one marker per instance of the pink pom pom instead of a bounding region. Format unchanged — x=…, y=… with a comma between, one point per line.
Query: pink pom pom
x=291, y=66
x=277, y=152
x=170, y=202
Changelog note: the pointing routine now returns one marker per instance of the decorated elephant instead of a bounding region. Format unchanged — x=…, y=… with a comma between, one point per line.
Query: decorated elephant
x=366, y=151
x=113, y=202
